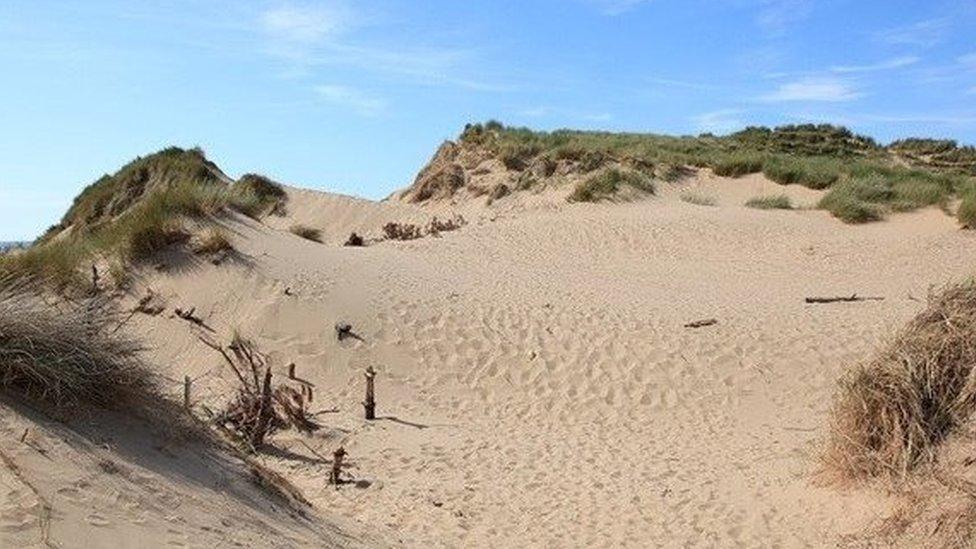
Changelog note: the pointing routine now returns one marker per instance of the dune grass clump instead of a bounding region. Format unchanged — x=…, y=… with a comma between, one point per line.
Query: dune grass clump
x=812, y=172
x=698, y=199
x=891, y=413
x=857, y=200
x=608, y=183
x=254, y=195
x=737, y=165
x=966, y=214
x=66, y=352
x=771, y=202
x=306, y=232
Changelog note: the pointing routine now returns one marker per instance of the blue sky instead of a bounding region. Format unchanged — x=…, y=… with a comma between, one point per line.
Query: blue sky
x=353, y=96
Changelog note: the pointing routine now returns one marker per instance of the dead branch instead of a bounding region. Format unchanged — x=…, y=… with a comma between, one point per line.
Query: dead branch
x=850, y=298
x=701, y=323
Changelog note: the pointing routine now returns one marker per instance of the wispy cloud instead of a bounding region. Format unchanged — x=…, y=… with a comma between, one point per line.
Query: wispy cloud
x=305, y=24
x=720, y=122
x=776, y=16
x=968, y=60
x=307, y=37
x=674, y=83
x=813, y=89
x=889, y=64
x=615, y=7
x=344, y=96
x=922, y=33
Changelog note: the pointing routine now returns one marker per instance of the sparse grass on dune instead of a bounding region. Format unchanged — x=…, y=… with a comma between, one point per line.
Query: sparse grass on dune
x=966, y=214
x=306, y=232
x=66, y=352
x=771, y=202
x=607, y=184
x=698, y=199
x=892, y=412
x=255, y=195
x=871, y=191
x=737, y=165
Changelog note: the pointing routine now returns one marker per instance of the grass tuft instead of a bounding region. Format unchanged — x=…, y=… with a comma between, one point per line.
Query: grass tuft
x=771, y=202
x=213, y=241
x=698, y=199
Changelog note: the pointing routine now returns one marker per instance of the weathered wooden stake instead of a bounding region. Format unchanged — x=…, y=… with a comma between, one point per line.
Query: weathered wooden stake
x=370, y=403
x=187, y=382
x=264, y=412
x=291, y=371
x=337, y=466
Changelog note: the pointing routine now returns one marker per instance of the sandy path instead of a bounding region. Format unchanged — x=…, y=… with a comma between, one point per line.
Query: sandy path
x=538, y=387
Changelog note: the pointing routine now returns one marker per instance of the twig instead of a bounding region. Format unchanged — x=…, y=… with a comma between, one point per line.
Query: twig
x=850, y=298
x=701, y=323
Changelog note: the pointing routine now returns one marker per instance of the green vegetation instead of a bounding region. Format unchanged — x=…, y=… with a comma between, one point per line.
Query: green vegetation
x=306, y=232
x=816, y=156
x=213, y=241
x=606, y=184
x=815, y=172
x=128, y=217
x=698, y=199
x=772, y=202
x=966, y=214
x=257, y=195
x=737, y=165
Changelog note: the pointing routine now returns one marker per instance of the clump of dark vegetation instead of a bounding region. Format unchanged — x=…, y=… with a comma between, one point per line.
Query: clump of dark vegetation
x=813, y=172
x=402, y=231
x=772, y=202
x=891, y=413
x=355, y=240
x=608, y=183
x=966, y=214
x=698, y=199
x=868, y=192
x=306, y=232
x=67, y=352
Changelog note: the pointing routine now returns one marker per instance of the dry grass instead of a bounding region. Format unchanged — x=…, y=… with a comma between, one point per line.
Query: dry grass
x=66, y=352
x=306, y=232
x=402, y=231
x=213, y=241
x=892, y=413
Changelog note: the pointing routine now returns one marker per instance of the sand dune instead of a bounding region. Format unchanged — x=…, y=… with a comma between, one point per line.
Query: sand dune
x=536, y=385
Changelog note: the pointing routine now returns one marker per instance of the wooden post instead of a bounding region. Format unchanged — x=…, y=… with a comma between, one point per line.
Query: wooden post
x=337, y=466
x=187, y=382
x=370, y=403
x=291, y=371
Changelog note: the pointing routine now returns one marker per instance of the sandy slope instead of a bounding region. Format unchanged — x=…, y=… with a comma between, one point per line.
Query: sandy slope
x=536, y=387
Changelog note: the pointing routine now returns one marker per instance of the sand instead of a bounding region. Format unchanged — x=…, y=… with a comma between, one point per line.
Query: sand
x=536, y=386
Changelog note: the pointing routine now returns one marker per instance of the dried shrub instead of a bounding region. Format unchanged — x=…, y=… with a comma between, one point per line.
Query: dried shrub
x=437, y=226
x=355, y=240
x=261, y=408
x=891, y=413
x=402, y=231
x=306, y=232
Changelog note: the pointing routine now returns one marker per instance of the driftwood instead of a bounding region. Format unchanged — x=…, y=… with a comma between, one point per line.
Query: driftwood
x=189, y=316
x=701, y=323
x=850, y=298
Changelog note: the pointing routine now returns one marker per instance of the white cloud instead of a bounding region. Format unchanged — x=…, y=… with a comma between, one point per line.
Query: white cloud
x=720, y=122
x=894, y=63
x=305, y=24
x=813, y=89
x=923, y=33
x=352, y=98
